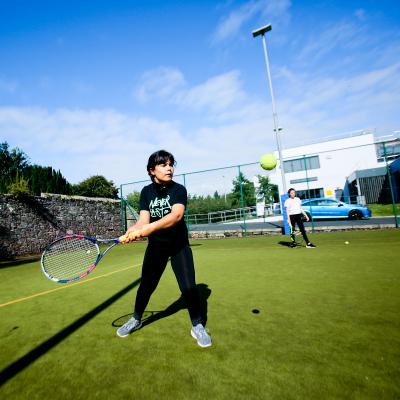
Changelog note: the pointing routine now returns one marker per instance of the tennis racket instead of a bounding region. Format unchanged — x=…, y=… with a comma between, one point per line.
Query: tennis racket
x=74, y=257
x=297, y=238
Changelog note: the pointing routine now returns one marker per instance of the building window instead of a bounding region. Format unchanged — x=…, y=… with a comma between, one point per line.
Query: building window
x=301, y=164
x=310, y=194
x=392, y=151
x=311, y=179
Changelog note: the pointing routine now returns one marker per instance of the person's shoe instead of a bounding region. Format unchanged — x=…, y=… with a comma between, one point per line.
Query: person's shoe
x=130, y=326
x=310, y=246
x=292, y=245
x=201, y=335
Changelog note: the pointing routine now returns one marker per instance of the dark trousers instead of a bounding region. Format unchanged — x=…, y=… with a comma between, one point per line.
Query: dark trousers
x=298, y=219
x=154, y=263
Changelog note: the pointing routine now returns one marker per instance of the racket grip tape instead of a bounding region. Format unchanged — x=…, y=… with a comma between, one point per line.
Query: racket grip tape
x=131, y=236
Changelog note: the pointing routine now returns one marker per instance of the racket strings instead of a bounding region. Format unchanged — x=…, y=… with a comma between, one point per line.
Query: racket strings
x=70, y=257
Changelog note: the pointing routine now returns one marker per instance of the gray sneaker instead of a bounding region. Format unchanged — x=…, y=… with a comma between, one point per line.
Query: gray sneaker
x=201, y=335
x=130, y=326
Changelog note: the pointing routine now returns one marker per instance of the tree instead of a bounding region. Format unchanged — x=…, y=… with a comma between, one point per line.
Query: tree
x=248, y=192
x=267, y=189
x=15, y=167
x=206, y=204
x=12, y=162
x=46, y=179
x=133, y=200
x=96, y=186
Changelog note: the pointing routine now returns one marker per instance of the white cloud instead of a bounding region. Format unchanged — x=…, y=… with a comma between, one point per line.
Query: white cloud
x=159, y=82
x=216, y=94
x=104, y=141
x=230, y=25
x=323, y=107
x=341, y=35
x=86, y=142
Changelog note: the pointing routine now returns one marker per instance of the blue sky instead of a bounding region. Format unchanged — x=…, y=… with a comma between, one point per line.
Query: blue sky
x=93, y=87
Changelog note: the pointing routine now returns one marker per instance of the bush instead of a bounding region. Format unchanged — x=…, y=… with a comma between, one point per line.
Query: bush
x=19, y=188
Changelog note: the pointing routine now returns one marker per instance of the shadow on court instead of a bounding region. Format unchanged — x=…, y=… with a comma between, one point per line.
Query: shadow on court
x=152, y=316
x=296, y=245
x=287, y=244
x=18, y=261
x=17, y=366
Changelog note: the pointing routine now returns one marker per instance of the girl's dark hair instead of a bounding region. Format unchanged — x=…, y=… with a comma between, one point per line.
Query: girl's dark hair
x=157, y=158
x=288, y=192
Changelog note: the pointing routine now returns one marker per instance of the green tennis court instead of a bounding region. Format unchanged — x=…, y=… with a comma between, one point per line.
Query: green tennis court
x=327, y=326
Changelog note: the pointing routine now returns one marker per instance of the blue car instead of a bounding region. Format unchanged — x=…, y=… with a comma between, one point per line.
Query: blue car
x=332, y=208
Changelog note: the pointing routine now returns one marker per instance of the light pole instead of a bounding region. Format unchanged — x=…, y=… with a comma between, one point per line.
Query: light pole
x=262, y=31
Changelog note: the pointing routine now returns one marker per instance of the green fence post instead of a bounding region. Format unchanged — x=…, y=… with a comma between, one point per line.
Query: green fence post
x=242, y=200
x=308, y=193
x=391, y=187
x=122, y=204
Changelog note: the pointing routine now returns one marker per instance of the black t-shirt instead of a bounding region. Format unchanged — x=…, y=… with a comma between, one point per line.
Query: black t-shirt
x=158, y=200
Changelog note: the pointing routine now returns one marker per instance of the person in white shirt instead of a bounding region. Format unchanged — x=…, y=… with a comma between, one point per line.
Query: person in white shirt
x=294, y=214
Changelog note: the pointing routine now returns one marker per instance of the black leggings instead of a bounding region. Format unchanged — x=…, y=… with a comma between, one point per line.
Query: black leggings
x=154, y=263
x=298, y=219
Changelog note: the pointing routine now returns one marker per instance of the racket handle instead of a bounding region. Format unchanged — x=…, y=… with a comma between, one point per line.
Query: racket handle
x=131, y=236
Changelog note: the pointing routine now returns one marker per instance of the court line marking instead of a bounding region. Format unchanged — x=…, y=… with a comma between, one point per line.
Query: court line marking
x=66, y=286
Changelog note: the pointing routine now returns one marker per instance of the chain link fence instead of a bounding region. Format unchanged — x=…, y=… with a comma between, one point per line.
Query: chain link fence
x=341, y=181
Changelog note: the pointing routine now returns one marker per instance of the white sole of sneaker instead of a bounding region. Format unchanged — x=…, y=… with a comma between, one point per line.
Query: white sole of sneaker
x=133, y=330
x=201, y=345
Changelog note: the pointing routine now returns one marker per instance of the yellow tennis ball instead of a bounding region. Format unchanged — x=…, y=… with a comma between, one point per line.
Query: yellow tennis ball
x=268, y=161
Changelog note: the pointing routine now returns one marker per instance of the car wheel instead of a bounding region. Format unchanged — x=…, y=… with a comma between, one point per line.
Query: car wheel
x=355, y=214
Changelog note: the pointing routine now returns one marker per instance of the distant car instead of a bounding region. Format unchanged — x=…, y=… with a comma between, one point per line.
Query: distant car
x=331, y=208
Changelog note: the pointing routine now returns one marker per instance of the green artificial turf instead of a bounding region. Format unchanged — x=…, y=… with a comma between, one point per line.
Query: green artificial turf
x=384, y=210
x=328, y=325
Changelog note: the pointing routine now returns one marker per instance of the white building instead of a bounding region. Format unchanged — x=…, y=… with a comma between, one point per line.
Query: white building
x=323, y=169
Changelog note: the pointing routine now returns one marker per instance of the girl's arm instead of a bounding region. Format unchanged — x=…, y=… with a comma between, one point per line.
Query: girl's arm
x=144, y=219
x=145, y=228
x=305, y=214
x=171, y=219
x=288, y=216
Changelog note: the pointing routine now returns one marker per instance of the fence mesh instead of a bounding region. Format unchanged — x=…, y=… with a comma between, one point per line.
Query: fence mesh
x=341, y=180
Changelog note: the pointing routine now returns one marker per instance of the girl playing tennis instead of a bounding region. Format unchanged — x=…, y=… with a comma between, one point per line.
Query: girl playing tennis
x=161, y=219
x=294, y=216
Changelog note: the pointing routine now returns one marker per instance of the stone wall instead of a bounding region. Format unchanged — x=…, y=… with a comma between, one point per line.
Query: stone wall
x=27, y=226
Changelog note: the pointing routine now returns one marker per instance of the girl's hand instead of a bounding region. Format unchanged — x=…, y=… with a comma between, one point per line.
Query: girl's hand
x=130, y=236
